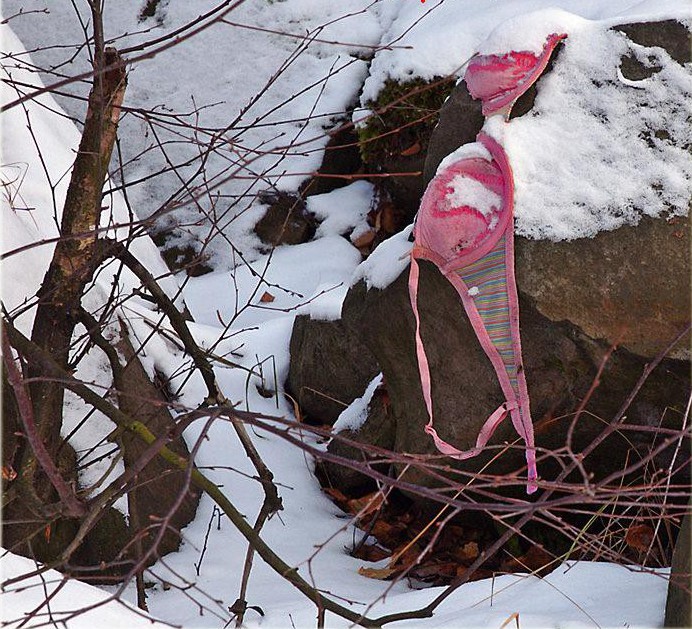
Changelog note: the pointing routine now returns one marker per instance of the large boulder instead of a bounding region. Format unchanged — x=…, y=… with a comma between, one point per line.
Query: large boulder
x=561, y=363
x=329, y=368
x=627, y=287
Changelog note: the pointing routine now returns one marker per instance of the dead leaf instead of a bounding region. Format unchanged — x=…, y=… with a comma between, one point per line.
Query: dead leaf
x=640, y=537
x=382, y=574
x=535, y=560
x=267, y=298
x=371, y=552
x=384, y=532
x=467, y=552
x=389, y=218
x=335, y=495
x=8, y=472
x=366, y=505
x=435, y=569
x=364, y=240
x=414, y=149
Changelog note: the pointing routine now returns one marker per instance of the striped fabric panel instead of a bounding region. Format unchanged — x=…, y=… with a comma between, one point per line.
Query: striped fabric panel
x=489, y=276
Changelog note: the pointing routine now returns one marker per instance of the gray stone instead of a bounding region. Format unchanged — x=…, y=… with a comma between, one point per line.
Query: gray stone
x=329, y=368
x=377, y=431
x=560, y=361
x=678, y=612
x=286, y=221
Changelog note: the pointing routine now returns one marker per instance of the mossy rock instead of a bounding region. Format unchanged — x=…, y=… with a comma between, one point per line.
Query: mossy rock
x=395, y=139
x=405, y=113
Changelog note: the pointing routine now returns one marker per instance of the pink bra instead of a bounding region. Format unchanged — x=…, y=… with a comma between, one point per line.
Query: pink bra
x=465, y=226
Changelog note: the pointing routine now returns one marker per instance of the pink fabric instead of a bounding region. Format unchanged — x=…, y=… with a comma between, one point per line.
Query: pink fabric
x=499, y=80
x=462, y=234
x=465, y=227
x=453, y=237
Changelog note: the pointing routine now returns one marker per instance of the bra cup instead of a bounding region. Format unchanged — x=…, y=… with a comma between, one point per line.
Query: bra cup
x=453, y=230
x=499, y=80
x=491, y=76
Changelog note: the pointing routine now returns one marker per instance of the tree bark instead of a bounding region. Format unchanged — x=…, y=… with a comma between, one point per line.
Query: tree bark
x=74, y=260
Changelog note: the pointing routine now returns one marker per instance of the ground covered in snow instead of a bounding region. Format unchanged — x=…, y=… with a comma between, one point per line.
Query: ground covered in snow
x=275, y=142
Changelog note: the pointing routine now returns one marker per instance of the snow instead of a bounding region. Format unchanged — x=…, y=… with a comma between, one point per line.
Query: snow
x=66, y=596
x=387, y=262
x=468, y=192
x=355, y=414
x=343, y=210
x=466, y=151
x=298, y=278
x=579, y=148
x=566, y=598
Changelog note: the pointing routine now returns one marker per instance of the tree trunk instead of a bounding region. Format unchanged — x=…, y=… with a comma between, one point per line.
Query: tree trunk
x=73, y=263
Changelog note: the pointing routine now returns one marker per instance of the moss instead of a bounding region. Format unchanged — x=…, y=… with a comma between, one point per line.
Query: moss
x=405, y=115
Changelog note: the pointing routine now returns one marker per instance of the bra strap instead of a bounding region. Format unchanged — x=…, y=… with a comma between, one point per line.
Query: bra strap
x=490, y=424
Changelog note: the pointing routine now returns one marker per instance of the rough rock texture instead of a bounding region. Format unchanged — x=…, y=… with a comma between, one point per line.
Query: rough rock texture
x=630, y=286
x=341, y=157
x=377, y=431
x=678, y=611
x=560, y=362
x=286, y=221
x=322, y=385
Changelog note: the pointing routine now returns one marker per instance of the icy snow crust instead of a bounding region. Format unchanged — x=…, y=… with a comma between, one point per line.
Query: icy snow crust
x=238, y=327
x=355, y=414
x=590, y=156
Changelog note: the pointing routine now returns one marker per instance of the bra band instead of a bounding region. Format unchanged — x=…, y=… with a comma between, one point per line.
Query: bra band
x=465, y=226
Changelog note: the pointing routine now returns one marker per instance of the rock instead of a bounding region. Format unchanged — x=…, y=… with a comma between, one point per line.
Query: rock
x=377, y=431
x=672, y=35
x=341, y=157
x=286, y=221
x=630, y=286
x=560, y=360
x=461, y=119
x=329, y=368
x=678, y=612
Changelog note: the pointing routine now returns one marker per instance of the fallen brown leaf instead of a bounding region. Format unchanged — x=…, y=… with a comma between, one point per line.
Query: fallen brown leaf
x=414, y=149
x=382, y=574
x=371, y=552
x=640, y=537
x=365, y=505
x=467, y=552
x=364, y=240
x=267, y=298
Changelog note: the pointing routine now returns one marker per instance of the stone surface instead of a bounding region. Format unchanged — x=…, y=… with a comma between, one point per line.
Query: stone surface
x=329, y=368
x=678, y=612
x=560, y=361
x=629, y=287
x=377, y=431
x=286, y=221
x=341, y=157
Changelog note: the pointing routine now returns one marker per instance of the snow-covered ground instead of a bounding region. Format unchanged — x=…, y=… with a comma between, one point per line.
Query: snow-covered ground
x=277, y=141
